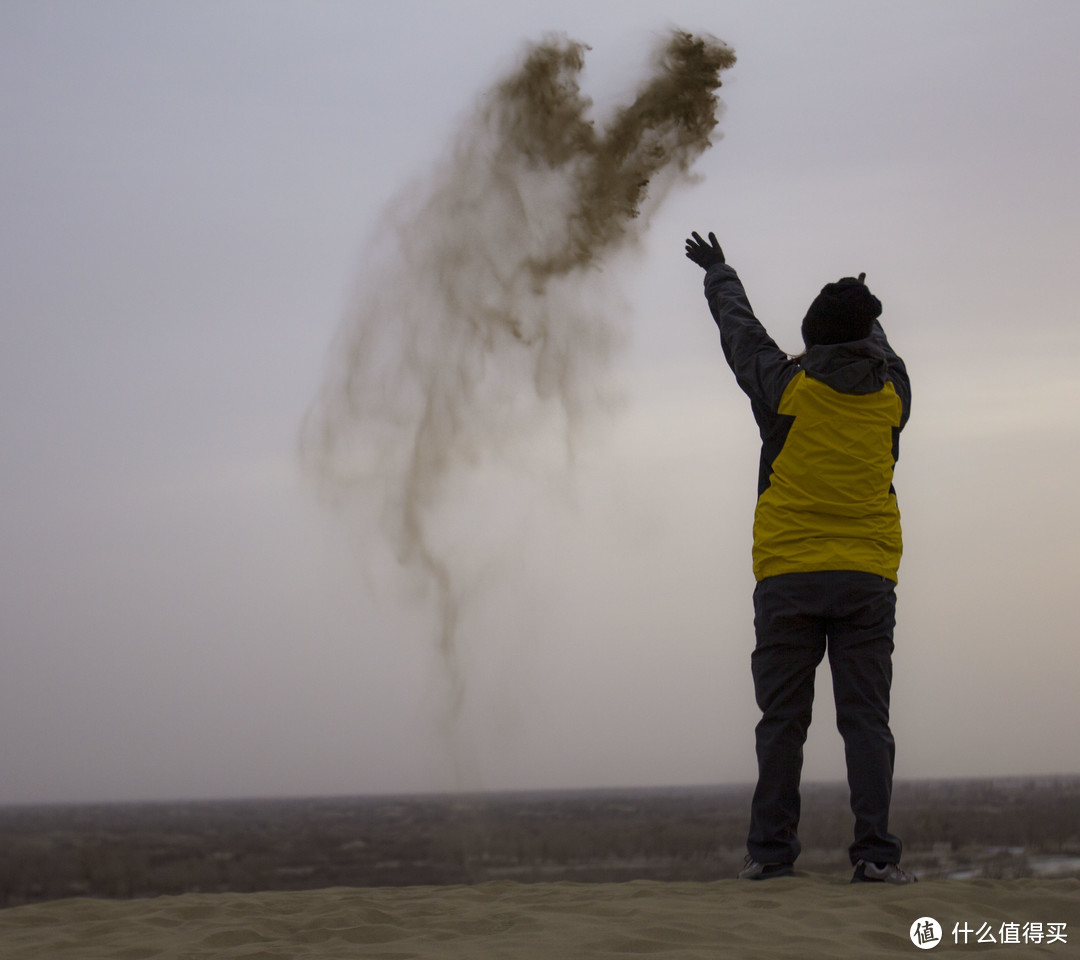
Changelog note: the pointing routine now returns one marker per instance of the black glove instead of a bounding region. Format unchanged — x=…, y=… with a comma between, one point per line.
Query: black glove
x=702, y=253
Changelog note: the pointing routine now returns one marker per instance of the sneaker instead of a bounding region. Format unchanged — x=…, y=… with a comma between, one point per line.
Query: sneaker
x=866, y=872
x=752, y=870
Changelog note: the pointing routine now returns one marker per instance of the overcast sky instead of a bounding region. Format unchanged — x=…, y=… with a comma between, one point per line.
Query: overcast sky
x=188, y=191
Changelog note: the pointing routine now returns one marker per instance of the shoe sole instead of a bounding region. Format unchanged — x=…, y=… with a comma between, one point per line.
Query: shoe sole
x=769, y=875
x=885, y=878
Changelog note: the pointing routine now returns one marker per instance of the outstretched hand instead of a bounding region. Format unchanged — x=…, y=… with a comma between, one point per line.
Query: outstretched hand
x=702, y=253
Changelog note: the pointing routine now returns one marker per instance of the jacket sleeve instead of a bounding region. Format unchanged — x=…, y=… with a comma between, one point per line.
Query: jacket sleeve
x=897, y=372
x=761, y=368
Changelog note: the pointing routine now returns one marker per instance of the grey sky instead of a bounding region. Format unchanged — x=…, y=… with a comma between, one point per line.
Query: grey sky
x=188, y=192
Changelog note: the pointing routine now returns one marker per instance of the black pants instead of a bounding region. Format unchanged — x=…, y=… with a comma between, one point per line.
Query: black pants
x=798, y=616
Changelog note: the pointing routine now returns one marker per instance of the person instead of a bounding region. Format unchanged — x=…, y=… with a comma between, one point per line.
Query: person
x=827, y=545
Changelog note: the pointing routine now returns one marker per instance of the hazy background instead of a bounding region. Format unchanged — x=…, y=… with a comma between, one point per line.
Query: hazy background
x=188, y=189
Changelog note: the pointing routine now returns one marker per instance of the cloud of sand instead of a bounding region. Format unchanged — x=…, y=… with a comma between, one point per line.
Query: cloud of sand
x=481, y=311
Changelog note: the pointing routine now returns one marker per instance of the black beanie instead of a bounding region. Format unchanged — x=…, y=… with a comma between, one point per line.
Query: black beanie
x=843, y=311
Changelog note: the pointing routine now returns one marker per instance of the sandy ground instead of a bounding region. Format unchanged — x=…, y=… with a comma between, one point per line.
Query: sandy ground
x=806, y=916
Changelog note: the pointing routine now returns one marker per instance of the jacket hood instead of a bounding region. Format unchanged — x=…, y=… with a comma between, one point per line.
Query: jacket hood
x=857, y=367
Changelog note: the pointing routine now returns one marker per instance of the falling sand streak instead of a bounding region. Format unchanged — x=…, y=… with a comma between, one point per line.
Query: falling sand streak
x=480, y=321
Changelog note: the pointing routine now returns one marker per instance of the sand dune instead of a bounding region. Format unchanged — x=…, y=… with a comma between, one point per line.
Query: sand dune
x=807, y=916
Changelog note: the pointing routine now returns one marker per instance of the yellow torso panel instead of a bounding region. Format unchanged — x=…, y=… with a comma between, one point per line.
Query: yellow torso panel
x=829, y=504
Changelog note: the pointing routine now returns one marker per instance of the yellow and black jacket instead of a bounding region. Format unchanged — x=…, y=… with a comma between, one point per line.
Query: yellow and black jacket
x=830, y=425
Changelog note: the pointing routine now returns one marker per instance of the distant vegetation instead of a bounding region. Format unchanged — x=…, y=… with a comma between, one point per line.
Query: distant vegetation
x=985, y=827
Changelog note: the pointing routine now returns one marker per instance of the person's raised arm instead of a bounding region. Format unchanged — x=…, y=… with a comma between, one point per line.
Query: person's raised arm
x=761, y=368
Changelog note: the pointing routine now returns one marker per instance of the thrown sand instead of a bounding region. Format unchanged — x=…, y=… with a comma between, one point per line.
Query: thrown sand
x=806, y=916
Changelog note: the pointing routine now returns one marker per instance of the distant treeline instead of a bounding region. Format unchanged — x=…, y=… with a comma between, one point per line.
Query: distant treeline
x=148, y=849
